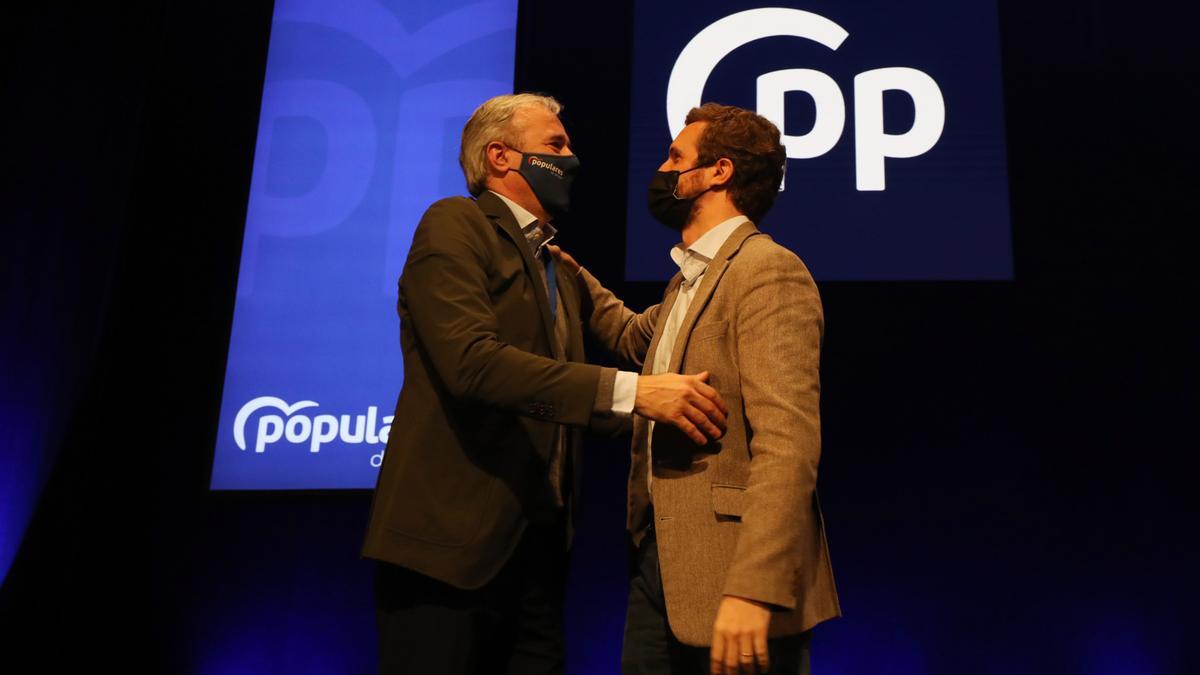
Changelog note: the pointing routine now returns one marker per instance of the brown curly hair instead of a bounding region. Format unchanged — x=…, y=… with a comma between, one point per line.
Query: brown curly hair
x=751, y=142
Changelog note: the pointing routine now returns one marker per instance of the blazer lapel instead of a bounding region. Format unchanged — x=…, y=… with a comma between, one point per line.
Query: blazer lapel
x=570, y=310
x=712, y=277
x=495, y=209
x=669, y=297
x=641, y=425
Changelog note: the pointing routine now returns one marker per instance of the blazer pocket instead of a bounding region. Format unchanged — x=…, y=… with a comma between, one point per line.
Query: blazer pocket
x=728, y=500
x=710, y=331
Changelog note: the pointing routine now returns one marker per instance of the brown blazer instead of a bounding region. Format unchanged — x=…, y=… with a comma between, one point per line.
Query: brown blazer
x=738, y=516
x=466, y=463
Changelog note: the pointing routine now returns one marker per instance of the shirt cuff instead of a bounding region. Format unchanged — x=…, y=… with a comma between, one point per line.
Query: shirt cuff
x=624, y=393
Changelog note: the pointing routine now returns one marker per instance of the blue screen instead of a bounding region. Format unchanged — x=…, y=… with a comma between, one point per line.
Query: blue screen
x=362, y=109
x=892, y=115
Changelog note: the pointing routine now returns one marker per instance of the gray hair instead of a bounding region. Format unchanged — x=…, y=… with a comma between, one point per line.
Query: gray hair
x=492, y=121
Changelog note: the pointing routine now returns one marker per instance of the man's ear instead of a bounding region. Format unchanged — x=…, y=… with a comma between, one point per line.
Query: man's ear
x=722, y=172
x=497, y=157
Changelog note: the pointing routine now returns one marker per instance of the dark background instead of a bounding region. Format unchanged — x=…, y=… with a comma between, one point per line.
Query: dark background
x=1007, y=468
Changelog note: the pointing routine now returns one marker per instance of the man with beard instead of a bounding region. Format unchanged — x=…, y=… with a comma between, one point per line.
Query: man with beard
x=732, y=568
x=472, y=512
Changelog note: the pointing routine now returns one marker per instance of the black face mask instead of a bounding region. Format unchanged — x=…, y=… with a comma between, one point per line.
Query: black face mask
x=667, y=207
x=550, y=177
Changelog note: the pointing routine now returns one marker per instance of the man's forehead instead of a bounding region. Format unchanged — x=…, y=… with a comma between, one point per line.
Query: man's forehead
x=689, y=137
x=537, y=116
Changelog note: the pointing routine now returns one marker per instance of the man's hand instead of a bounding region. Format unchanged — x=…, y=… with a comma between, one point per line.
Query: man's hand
x=684, y=401
x=739, y=642
x=564, y=258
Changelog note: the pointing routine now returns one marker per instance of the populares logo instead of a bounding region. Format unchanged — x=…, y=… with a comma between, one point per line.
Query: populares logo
x=286, y=424
x=872, y=145
x=543, y=164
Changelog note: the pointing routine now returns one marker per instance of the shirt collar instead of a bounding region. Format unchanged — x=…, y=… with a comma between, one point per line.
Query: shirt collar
x=537, y=234
x=693, y=260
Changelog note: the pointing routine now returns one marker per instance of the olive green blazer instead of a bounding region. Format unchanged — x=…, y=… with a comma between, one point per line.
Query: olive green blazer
x=466, y=464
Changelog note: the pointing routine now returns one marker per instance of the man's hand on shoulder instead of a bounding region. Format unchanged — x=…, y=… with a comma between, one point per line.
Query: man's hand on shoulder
x=563, y=258
x=685, y=401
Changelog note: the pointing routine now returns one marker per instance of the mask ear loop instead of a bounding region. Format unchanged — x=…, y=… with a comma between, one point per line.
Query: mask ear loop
x=508, y=147
x=678, y=174
x=675, y=192
x=522, y=153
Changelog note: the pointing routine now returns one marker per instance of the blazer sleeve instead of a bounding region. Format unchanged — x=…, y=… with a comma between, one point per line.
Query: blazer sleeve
x=445, y=288
x=779, y=327
x=619, y=330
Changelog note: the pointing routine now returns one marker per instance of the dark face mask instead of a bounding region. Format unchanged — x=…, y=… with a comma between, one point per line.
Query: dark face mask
x=665, y=205
x=550, y=177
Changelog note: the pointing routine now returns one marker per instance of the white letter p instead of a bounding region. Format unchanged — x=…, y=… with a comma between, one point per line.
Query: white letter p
x=872, y=145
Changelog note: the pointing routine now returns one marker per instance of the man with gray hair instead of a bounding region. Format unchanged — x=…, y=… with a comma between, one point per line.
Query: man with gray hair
x=471, y=518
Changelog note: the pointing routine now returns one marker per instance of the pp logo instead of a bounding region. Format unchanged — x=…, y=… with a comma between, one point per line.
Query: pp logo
x=872, y=145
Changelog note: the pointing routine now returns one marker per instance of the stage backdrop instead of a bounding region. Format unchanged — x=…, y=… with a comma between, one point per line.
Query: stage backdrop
x=362, y=108
x=892, y=116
